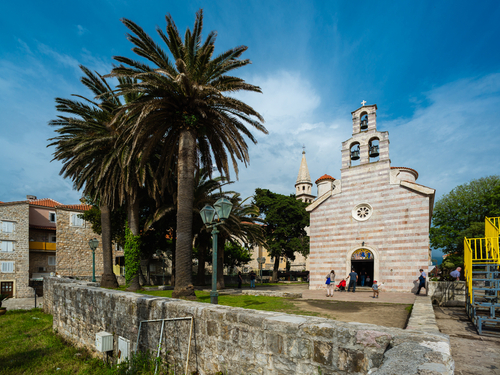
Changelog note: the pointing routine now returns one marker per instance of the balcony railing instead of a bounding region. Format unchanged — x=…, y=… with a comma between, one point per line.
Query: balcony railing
x=34, y=245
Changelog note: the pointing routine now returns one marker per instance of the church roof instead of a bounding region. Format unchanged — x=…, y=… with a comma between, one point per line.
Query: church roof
x=303, y=176
x=325, y=177
x=408, y=169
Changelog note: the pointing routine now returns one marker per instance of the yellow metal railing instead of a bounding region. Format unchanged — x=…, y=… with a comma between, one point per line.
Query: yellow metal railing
x=34, y=245
x=482, y=250
x=491, y=226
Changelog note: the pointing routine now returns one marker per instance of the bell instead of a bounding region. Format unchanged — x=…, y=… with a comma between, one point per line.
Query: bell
x=355, y=155
x=364, y=124
x=374, y=151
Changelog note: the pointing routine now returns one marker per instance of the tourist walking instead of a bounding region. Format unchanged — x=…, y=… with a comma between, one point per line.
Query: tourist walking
x=240, y=279
x=252, y=279
x=375, y=289
x=330, y=283
x=353, y=279
x=421, y=281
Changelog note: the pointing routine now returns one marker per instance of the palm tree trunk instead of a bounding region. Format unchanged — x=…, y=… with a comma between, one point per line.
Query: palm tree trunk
x=133, y=224
x=185, y=197
x=108, y=278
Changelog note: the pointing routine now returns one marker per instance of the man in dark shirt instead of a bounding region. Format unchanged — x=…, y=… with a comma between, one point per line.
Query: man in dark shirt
x=353, y=279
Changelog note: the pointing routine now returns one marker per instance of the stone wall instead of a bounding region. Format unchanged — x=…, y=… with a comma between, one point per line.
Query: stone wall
x=40, y=259
x=74, y=257
x=19, y=214
x=447, y=293
x=241, y=341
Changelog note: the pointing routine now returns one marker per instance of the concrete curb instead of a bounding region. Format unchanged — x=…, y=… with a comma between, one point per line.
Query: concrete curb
x=422, y=316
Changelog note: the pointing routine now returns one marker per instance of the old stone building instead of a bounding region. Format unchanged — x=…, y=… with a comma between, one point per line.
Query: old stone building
x=374, y=218
x=41, y=236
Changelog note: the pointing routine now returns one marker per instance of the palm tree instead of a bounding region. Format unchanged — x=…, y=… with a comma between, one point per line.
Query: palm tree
x=185, y=106
x=85, y=146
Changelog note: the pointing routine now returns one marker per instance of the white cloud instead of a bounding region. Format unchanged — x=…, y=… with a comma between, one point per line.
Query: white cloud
x=449, y=141
x=455, y=138
x=80, y=30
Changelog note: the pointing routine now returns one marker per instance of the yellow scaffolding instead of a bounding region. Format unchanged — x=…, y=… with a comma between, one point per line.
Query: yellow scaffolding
x=482, y=250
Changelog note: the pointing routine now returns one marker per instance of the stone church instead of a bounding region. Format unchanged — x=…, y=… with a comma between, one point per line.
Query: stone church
x=374, y=218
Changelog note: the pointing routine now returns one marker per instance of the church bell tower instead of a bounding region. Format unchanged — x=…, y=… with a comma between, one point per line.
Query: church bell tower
x=304, y=184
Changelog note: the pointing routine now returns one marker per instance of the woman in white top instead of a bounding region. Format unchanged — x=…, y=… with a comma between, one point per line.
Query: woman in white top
x=329, y=287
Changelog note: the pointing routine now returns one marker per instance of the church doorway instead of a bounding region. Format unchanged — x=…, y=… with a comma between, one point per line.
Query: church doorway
x=362, y=260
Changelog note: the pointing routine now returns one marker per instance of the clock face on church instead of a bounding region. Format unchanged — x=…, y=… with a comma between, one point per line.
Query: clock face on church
x=362, y=211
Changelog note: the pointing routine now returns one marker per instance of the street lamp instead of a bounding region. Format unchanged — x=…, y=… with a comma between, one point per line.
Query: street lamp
x=93, y=245
x=222, y=210
x=261, y=261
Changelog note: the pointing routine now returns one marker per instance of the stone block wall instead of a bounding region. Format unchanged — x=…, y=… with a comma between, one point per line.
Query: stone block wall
x=447, y=293
x=240, y=341
x=74, y=256
x=41, y=259
x=19, y=214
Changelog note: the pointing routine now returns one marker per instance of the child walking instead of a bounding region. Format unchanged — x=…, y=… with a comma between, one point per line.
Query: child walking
x=375, y=288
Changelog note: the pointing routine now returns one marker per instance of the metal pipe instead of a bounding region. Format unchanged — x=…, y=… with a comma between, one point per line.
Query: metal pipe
x=189, y=345
x=159, y=345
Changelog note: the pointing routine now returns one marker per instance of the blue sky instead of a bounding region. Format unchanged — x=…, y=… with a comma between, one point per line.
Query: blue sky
x=433, y=69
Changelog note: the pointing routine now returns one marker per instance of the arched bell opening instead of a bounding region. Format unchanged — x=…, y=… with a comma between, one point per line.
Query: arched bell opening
x=373, y=150
x=363, y=123
x=355, y=154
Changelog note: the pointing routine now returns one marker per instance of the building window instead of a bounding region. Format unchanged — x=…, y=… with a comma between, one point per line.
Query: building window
x=52, y=217
x=52, y=238
x=7, y=226
x=52, y=261
x=362, y=212
x=77, y=221
x=7, y=267
x=7, y=246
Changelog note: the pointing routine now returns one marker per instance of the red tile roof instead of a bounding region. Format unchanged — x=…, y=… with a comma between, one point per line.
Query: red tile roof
x=45, y=202
x=79, y=207
x=325, y=177
x=409, y=169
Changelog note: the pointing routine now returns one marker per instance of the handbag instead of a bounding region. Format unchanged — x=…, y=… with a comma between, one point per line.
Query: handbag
x=327, y=281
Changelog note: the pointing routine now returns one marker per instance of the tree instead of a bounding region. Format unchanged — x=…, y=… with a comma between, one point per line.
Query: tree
x=184, y=107
x=236, y=255
x=85, y=146
x=285, y=220
x=461, y=213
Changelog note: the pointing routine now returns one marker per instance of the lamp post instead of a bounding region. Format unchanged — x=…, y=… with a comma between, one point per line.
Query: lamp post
x=93, y=243
x=222, y=210
x=261, y=261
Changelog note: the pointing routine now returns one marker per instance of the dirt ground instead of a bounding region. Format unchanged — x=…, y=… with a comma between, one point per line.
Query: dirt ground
x=383, y=314
x=473, y=354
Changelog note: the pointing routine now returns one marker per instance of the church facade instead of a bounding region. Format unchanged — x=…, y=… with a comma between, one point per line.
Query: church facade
x=375, y=218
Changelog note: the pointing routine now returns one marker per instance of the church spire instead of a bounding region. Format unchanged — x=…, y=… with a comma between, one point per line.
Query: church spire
x=303, y=176
x=304, y=184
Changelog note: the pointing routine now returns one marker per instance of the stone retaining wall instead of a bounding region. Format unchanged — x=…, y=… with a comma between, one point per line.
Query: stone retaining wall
x=242, y=341
x=447, y=293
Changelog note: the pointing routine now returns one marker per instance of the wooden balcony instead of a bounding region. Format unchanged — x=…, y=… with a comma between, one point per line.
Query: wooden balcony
x=43, y=246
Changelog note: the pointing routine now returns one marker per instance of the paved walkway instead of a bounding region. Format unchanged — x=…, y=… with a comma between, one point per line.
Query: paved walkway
x=22, y=303
x=361, y=295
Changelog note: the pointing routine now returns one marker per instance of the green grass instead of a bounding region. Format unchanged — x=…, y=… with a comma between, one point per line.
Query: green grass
x=29, y=346
x=264, y=303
